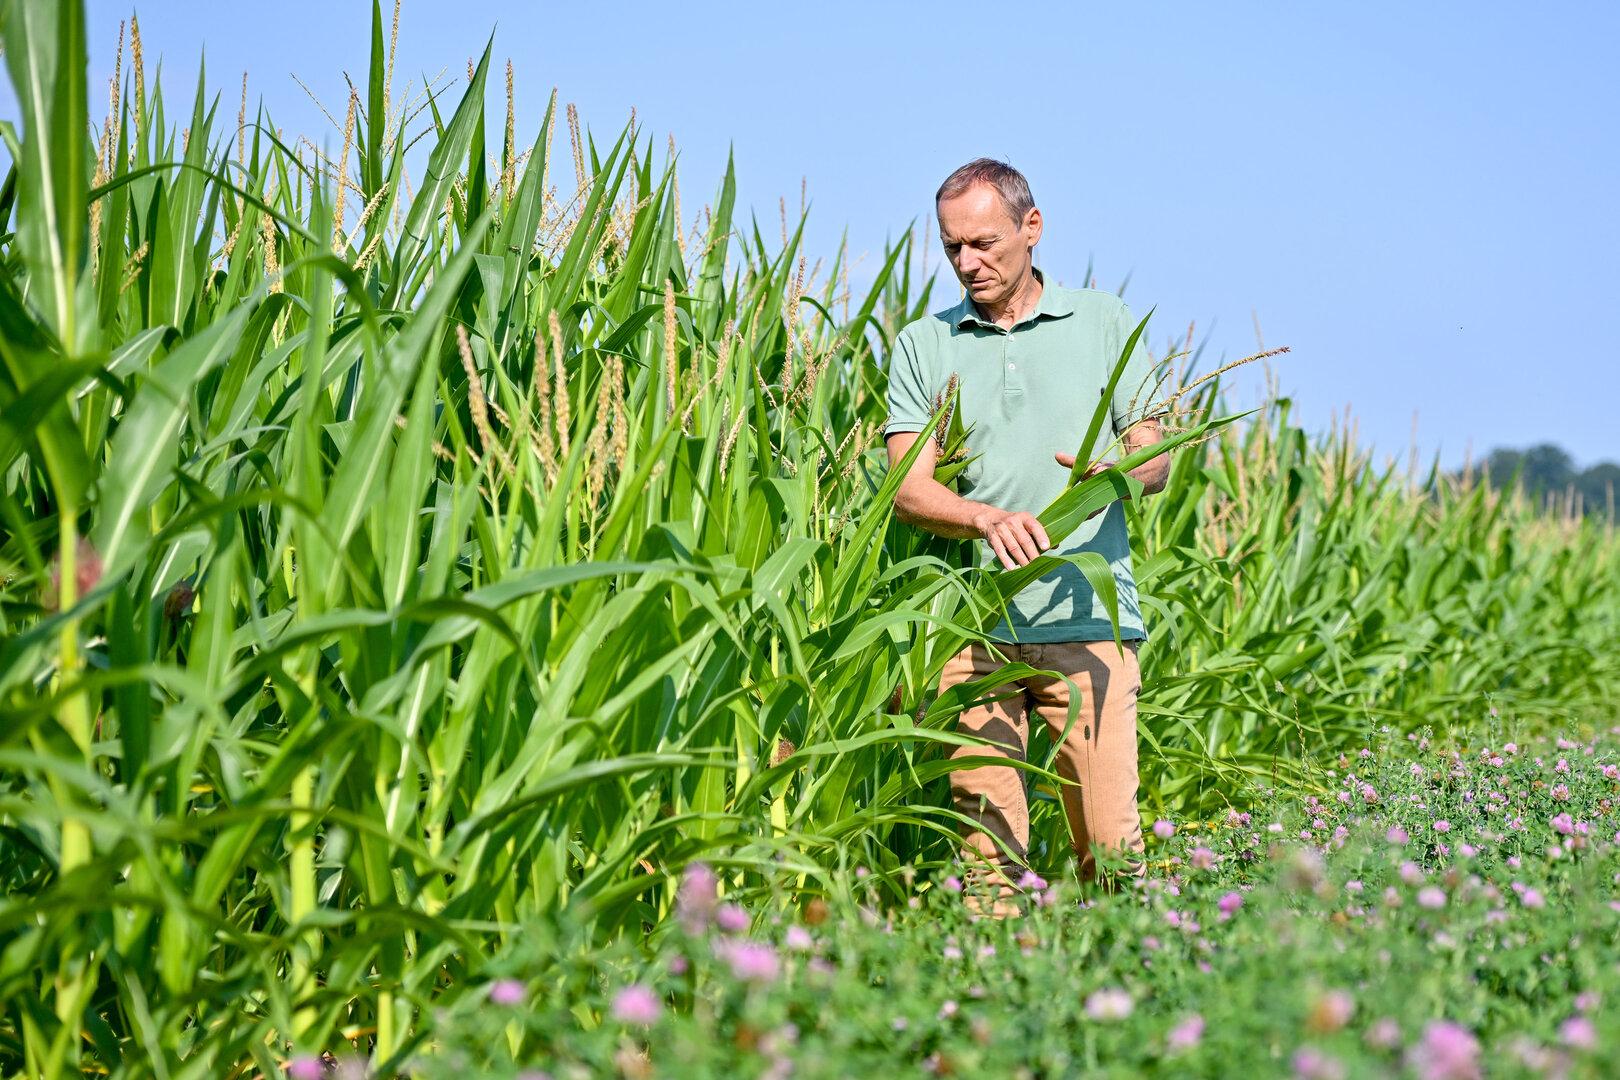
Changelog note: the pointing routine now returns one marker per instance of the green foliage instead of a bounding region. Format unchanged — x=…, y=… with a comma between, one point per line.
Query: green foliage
x=389, y=566
x=1451, y=914
x=1301, y=598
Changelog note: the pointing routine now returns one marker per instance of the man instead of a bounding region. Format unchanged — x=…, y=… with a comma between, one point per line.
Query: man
x=1032, y=362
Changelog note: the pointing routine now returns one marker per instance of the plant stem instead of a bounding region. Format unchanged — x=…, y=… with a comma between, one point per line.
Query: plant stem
x=76, y=975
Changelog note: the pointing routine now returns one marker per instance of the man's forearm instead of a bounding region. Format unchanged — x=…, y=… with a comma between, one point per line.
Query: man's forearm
x=928, y=504
x=925, y=503
x=1153, y=474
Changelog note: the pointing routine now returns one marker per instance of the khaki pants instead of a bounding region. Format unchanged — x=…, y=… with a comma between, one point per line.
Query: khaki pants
x=1099, y=752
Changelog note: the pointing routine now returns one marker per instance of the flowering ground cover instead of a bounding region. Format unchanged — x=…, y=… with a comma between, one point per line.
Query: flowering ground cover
x=1441, y=911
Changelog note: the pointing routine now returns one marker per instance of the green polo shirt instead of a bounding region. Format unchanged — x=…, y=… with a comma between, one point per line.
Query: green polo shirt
x=1026, y=394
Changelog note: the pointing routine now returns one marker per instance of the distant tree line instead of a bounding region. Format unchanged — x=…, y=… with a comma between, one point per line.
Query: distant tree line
x=1547, y=474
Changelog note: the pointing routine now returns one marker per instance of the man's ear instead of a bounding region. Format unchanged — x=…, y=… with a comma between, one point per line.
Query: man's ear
x=1032, y=225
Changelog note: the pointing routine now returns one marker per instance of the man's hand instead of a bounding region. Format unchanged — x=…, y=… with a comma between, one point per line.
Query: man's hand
x=1016, y=537
x=1067, y=461
x=1152, y=474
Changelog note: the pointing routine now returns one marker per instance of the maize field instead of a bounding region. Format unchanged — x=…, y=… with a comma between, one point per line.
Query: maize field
x=413, y=543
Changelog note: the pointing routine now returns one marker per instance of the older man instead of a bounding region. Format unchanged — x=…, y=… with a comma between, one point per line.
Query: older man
x=1032, y=362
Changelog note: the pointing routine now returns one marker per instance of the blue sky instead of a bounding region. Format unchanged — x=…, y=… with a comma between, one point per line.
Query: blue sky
x=1417, y=198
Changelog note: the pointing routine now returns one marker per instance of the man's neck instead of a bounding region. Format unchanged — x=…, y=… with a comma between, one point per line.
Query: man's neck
x=1018, y=305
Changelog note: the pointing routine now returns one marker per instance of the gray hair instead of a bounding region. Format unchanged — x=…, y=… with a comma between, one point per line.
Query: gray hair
x=1008, y=182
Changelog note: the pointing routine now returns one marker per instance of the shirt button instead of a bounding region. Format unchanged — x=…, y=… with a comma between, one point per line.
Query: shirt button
x=1011, y=366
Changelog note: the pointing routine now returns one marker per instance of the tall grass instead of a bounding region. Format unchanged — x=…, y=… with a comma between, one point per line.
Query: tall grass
x=391, y=561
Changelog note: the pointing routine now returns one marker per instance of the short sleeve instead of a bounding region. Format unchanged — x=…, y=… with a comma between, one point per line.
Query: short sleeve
x=1138, y=395
x=910, y=406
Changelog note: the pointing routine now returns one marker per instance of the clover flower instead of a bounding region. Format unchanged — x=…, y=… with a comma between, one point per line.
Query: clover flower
x=1305, y=870
x=1109, y=1004
x=1330, y=1011
x=1447, y=1051
x=1185, y=1035
x=507, y=992
x=749, y=961
x=697, y=897
x=731, y=919
x=1384, y=1033
x=637, y=1004
x=1312, y=1064
x=1031, y=880
x=1578, y=1033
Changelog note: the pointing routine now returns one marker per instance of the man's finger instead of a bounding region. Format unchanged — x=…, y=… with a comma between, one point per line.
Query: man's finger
x=1025, y=542
x=1015, y=541
x=1010, y=545
x=1040, y=536
x=1098, y=468
x=1065, y=460
x=997, y=546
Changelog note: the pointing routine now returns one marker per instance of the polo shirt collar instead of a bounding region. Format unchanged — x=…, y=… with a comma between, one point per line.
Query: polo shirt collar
x=1053, y=304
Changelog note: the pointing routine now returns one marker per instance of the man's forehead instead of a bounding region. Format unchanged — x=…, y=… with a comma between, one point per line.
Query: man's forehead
x=976, y=230
x=977, y=212
x=992, y=223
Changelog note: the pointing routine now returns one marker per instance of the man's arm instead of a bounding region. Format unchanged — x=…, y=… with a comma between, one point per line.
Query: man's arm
x=1153, y=474
x=1156, y=473
x=1016, y=538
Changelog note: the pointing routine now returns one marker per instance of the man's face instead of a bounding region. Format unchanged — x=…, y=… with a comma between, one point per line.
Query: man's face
x=989, y=251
